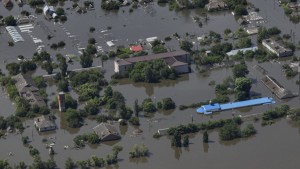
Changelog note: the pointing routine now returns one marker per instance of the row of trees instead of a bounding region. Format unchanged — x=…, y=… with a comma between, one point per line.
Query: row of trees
x=22, y=67
x=151, y=72
x=232, y=131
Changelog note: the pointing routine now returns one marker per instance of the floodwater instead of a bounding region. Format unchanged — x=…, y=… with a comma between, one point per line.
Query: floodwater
x=273, y=147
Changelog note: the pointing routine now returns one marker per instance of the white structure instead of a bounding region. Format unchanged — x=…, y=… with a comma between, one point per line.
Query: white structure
x=234, y=52
x=110, y=43
x=49, y=11
x=151, y=39
x=276, y=48
x=162, y=132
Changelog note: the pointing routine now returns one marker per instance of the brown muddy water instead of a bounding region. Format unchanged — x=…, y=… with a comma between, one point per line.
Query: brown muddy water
x=274, y=146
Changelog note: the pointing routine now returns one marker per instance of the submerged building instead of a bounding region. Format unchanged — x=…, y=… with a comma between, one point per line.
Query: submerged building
x=45, y=123
x=28, y=90
x=215, y=107
x=179, y=60
x=276, y=48
x=106, y=132
x=276, y=88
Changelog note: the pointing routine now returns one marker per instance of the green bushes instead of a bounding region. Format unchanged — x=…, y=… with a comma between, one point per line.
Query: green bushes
x=73, y=118
x=278, y=112
x=81, y=140
x=248, y=131
x=139, y=151
x=192, y=128
x=230, y=131
x=151, y=72
x=289, y=72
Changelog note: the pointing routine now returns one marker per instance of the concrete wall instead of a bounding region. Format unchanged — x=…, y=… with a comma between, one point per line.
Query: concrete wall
x=182, y=68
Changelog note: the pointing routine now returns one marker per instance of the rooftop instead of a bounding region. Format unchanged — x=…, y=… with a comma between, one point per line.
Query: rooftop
x=104, y=129
x=136, y=48
x=276, y=88
x=234, y=52
x=276, y=46
x=156, y=56
x=45, y=121
x=209, y=108
x=27, y=89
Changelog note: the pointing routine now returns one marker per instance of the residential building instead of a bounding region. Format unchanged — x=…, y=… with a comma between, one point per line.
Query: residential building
x=276, y=88
x=216, y=5
x=136, y=48
x=28, y=90
x=45, y=123
x=276, y=48
x=178, y=60
x=7, y=3
x=106, y=132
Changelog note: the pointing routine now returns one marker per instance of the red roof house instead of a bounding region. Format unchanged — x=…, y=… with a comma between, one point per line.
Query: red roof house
x=136, y=48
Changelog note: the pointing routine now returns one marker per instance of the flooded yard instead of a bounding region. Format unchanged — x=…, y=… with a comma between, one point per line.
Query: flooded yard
x=274, y=146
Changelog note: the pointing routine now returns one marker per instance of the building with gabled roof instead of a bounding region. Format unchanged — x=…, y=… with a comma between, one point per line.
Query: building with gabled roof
x=276, y=88
x=136, y=48
x=45, y=123
x=28, y=90
x=106, y=132
x=7, y=3
x=179, y=60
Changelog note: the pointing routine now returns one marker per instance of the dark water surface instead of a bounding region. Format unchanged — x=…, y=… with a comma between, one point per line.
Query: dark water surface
x=274, y=146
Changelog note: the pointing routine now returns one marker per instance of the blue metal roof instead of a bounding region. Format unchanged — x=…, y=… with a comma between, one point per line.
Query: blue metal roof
x=207, y=109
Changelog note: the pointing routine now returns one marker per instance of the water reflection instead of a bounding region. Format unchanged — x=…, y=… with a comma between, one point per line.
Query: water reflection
x=177, y=152
x=138, y=160
x=149, y=87
x=205, y=147
x=123, y=129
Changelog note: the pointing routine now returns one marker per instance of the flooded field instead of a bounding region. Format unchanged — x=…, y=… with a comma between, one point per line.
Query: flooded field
x=273, y=146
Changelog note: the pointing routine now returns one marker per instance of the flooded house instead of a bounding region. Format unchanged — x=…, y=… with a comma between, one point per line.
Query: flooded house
x=136, y=48
x=179, y=60
x=7, y=3
x=106, y=132
x=28, y=90
x=276, y=48
x=216, y=5
x=45, y=123
x=276, y=88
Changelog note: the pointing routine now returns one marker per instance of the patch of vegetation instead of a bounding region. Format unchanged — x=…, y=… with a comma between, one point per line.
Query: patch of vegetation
x=139, y=151
x=289, y=72
x=151, y=72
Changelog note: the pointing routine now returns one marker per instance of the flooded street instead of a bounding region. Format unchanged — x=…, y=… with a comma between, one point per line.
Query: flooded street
x=275, y=146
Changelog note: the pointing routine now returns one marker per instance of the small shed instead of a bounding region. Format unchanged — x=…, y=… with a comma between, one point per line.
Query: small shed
x=162, y=132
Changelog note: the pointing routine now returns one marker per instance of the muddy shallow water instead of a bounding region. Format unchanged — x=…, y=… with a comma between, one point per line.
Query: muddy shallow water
x=273, y=147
